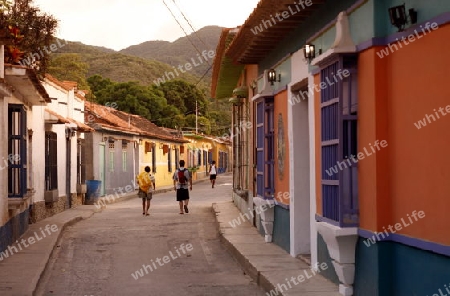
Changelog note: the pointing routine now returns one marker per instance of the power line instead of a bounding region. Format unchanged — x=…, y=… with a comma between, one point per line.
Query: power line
x=185, y=33
x=206, y=72
x=190, y=25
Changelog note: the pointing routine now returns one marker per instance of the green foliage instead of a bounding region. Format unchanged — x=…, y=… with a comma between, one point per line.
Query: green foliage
x=123, y=68
x=181, y=51
x=70, y=67
x=203, y=124
x=31, y=32
x=129, y=81
x=220, y=122
x=193, y=169
x=172, y=104
x=130, y=97
x=184, y=95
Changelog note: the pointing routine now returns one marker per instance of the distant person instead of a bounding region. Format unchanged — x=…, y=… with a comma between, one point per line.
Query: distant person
x=182, y=182
x=213, y=173
x=146, y=187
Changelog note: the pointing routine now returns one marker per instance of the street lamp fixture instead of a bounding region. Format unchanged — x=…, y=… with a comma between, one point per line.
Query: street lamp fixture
x=272, y=76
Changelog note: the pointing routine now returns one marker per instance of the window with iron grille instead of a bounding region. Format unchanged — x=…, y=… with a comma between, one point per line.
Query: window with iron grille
x=111, y=160
x=265, y=151
x=199, y=158
x=169, y=160
x=81, y=161
x=51, y=161
x=124, y=161
x=205, y=158
x=153, y=159
x=210, y=157
x=17, y=151
x=339, y=143
x=177, y=158
x=124, y=144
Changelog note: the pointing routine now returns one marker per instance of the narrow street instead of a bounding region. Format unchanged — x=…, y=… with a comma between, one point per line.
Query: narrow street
x=183, y=253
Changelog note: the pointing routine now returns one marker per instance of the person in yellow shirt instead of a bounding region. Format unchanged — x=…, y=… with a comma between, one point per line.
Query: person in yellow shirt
x=146, y=187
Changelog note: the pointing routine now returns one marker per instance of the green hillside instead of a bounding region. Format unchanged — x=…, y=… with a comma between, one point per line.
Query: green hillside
x=181, y=51
x=120, y=67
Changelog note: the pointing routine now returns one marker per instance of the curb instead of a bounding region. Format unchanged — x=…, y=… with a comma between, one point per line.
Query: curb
x=247, y=267
x=46, y=255
x=42, y=270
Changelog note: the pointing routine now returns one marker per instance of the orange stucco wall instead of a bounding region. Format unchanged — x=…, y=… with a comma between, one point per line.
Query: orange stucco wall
x=413, y=173
x=281, y=184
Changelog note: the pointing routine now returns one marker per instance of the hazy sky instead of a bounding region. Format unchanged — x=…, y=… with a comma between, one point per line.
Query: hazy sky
x=118, y=24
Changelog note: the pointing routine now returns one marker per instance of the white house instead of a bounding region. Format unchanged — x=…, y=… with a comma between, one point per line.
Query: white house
x=20, y=92
x=60, y=124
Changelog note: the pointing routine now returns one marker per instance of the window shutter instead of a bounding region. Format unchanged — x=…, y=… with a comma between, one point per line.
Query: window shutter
x=148, y=147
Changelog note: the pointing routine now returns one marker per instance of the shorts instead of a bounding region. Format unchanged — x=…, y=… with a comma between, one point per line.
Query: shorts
x=145, y=195
x=182, y=194
x=212, y=177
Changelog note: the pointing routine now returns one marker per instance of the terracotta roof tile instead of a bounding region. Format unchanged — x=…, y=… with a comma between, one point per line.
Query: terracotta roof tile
x=148, y=127
x=61, y=119
x=96, y=114
x=71, y=84
x=57, y=82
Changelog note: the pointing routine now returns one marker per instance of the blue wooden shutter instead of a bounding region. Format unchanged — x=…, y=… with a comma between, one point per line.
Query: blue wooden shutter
x=330, y=119
x=17, y=146
x=260, y=149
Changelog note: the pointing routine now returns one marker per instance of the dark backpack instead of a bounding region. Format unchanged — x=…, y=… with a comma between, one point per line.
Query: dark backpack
x=181, y=177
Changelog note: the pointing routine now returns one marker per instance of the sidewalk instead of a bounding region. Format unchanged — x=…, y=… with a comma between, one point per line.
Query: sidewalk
x=266, y=263
x=20, y=272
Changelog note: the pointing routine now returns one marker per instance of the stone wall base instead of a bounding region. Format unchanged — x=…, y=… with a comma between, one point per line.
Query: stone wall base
x=41, y=210
x=77, y=199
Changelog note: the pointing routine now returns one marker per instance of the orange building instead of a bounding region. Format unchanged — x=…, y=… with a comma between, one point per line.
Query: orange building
x=349, y=109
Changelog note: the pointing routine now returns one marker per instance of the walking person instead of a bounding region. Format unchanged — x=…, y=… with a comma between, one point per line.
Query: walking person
x=213, y=173
x=182, y=182
x=146, y=187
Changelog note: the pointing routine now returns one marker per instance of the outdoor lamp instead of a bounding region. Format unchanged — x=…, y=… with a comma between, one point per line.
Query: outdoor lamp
x=272, y=76
x=309, y=51
x=399, y=18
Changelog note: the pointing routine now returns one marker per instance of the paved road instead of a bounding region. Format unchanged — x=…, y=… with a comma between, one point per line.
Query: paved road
x=98, y=256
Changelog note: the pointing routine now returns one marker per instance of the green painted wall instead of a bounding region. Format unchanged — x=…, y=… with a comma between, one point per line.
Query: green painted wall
x=294, y=41
x=425, y=10
x=284, y=69
x=323, y=256
x=281, y=228
x=393, y=269
x=372, y=267
x=370, y=20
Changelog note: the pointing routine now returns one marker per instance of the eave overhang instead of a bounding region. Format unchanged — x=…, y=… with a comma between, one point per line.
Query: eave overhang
x=26, y=85
x=250, y=47
x=226, y=73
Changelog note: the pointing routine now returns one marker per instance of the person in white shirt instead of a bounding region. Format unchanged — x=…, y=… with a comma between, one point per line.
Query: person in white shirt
x=213, y=173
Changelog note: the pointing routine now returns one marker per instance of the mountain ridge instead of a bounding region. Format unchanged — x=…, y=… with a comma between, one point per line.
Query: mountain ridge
x=152, y=60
